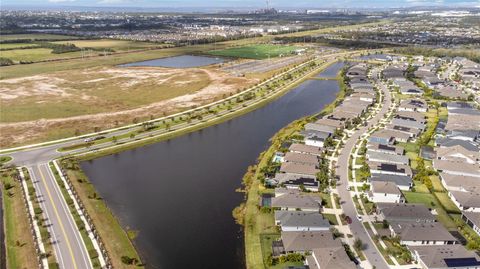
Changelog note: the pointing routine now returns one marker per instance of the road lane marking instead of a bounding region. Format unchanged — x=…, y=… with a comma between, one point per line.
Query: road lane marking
x=71, y=221
x=56, y=247
x=59, y=219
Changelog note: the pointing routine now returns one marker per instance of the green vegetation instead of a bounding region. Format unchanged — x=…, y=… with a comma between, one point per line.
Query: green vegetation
x=4, y=160
x=262, y=51
x=20, y=248
x=470, y=53
x=16, y=38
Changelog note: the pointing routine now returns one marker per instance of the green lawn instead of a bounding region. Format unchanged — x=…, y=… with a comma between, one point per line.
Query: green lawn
x=37, y=54
x=447, y=203
x=262, y=51
x=331, y=218
x=16, y=45
x=326, y=199
x=117, y=45
x=437, y=184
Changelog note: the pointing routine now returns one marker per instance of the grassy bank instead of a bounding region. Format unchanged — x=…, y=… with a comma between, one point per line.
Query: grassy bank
x=116, y=240
x=20, y=248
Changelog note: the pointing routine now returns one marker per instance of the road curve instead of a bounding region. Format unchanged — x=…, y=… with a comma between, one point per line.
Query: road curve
x=372, y=254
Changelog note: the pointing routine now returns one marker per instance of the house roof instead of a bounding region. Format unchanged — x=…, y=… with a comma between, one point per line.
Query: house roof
x=463, y=182
x=386, y=157
x=397, y=179
x=408, y=123
x=474, y=217
x=446, y=256
x=330, y=122
x=295, y=199
x=320, y=127
x=301, y=219
x=299, y=168
x=307, y=240
x=406, y=212
x=456, y=152
x=385, y=187
x=451, y=167
x=301, y=158
x=449, y=142
x=398, y=168
x=330, y=257
x=410, y=115
x=305, y=148
x=385, y=133
x=467, y=198
x=385, y=148
x=413, y=231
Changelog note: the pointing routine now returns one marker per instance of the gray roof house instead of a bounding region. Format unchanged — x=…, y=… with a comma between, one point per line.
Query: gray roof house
x=472, y=219
x=329, y=122
x=299, y=168
x=300, y=158
x=293, y=200
x=386, y=158
x=408, y=123
x=304, y=241
x=460, y=183
x=457, y=168
x=306, y=149
x=389, y=169
x=405, y=212
x=301, y=221
x=409, y=115
x=404, y=183
x=466, y=200
x=320, y=128
x=445, y=257
x=415, y=234
x=330, y=257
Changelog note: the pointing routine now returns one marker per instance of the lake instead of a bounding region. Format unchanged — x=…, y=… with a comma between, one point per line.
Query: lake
x=331, y=71
x=179, y=194
x=182, y=61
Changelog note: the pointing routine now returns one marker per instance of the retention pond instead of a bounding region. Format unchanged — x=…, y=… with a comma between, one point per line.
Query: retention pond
x=179, y=194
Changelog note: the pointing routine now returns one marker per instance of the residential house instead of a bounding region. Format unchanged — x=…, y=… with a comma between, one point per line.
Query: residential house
x=445, y=257
x=389, y=149
x=389, y=169
x=417, y=234
x=457, y=168
x=386, y=158
x=458, y=154
x=460, y=183
x=472, y=219
x=405, y=212
x=466, y=200
x=286, y=199
x=413, y=105
x=385, y=192
x=404, y=183
x=299, y=169
x=301, y=221
x=301, y=158
x=330, y=257
x=305, y=149
x=304, y=241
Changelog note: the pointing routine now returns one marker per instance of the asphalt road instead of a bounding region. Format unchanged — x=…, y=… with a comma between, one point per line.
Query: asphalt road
x=372, y=254
x=68, y=245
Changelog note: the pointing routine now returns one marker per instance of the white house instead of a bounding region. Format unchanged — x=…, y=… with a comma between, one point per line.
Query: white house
x=385, y=192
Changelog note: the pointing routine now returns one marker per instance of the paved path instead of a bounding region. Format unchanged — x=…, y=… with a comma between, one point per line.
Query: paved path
x=358, y=230
x=68, y=244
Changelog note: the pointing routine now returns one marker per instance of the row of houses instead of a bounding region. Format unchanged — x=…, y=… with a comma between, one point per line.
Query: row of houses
x=297, y=208
x=457, y=159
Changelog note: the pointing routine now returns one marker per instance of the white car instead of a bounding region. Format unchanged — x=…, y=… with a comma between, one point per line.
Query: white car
x=359, y=218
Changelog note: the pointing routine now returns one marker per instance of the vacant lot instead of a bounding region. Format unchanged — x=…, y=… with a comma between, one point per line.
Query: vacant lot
x=16, y=45
x=116, y=45
x=263, y=51
x=60, y=104
x=37, y=54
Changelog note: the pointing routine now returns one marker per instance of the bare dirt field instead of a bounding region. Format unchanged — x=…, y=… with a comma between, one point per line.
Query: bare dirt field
x=45, y=107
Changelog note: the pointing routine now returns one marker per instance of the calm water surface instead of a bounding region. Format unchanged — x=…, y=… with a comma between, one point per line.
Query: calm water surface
x=179, y=194
x=331, y=71
x=183, y=61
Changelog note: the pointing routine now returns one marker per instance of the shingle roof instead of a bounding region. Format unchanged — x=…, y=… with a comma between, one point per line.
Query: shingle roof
x=406, y=212
x=413, y=231
x=307, y=240
x=301, y=158
x=301, y=219
x=299, y=168
x=397, y=179
x=385, y=187
x=467, y=198
x=440, y=256
x=306, y=148
x=295, y=199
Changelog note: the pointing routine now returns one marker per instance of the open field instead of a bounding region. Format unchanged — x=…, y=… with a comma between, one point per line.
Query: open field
x=36, y=37
x=262, y=51
x=19, y=243
x=116, y=45
x=37, y=54
x=61, y=104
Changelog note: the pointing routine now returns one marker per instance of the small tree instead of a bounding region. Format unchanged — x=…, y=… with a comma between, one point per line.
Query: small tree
x=358, y=244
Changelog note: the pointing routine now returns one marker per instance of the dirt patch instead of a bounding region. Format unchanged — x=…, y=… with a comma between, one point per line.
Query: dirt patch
x=114, y=96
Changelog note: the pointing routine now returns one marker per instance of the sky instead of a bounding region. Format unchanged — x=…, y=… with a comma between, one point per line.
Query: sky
x=243, y=3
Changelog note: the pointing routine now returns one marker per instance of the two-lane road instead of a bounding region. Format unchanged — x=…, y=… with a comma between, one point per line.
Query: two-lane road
x=68, y=244
x=374, y=257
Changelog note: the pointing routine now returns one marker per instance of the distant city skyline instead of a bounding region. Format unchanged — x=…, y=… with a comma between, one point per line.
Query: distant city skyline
x=237, y=4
